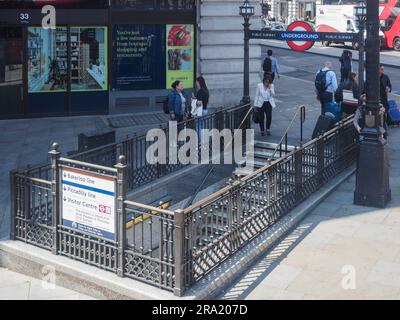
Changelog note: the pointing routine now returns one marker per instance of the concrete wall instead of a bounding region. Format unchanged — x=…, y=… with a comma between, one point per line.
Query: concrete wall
x=221, y=53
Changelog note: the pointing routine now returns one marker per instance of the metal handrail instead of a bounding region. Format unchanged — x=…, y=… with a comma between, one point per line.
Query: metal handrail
x=301, y=109
x=147, y=207
x=190, y=202
x=35, y=180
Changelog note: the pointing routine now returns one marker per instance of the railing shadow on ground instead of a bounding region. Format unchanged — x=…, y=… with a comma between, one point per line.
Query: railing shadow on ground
x=267, y=263
x=260, y=275
x=175, y=249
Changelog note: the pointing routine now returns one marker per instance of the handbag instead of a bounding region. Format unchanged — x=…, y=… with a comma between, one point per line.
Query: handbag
x=348, y=98
x=256, y=116
x=258, y=100
x=196, y=111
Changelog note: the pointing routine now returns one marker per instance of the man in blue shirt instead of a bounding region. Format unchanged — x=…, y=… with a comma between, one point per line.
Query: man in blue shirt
x=331, y=86
x=270, y=66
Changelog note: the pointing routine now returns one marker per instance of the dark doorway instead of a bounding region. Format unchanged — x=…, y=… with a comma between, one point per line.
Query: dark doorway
x=11, y=72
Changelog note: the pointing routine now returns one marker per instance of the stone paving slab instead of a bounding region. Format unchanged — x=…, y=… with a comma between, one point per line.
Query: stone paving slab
x=15, y=286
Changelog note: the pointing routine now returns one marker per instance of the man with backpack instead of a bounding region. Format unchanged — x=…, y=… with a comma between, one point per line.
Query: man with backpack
x=270, y=66
x=325, y=85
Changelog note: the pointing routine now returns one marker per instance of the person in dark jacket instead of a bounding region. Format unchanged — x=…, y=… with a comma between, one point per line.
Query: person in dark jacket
x=385, y=87
x=177, y=102
x=345, y=65
x=202, y=96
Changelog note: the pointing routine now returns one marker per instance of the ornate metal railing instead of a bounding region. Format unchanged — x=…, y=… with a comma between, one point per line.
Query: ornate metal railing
x=32, y=210
x=149, y=246
x=174, y=250
x=219, y=225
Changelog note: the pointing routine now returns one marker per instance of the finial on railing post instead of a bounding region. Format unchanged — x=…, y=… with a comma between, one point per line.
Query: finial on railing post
x=55, y=148
x=121, y=161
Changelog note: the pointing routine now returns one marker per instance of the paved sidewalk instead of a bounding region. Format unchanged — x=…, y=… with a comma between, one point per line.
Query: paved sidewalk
x=388, y=57
x=340, y=251
x=15, y=286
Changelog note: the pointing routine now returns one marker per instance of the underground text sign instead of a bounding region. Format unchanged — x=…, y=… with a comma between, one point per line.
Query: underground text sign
x=88, y=202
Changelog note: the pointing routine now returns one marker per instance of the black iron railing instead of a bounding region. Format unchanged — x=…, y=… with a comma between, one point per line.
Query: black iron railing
x=175, y=249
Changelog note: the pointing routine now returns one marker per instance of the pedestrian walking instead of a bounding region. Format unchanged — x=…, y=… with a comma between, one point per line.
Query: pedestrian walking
x=270, y=66
x=325, y=85
x=200, y=105
x=385, y=87
x=264, y=103
x=345, y=65
x=177, y=102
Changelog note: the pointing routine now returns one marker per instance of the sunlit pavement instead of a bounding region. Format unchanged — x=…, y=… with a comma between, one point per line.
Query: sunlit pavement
x=340, y=251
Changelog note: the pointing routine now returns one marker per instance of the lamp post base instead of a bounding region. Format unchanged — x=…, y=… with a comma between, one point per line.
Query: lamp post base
x=372, y=181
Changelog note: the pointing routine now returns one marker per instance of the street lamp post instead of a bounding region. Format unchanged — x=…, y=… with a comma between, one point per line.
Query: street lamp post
x=372, y=179
x=246, y=11
x=360, y=11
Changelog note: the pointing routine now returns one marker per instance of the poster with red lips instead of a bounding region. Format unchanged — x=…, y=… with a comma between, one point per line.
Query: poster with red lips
x=179, y=36
x=180, y=64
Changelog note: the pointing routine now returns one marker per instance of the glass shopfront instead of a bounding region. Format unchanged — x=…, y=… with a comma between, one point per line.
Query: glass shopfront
x=128, y=46
x=47, y=60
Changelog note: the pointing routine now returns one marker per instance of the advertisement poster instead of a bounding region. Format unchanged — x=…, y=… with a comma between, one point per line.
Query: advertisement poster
x=88, y=202
x=180, y=54
x=136, y=57
x=88, y=58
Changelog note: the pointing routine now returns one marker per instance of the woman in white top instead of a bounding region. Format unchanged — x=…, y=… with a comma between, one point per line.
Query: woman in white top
x=264, y=102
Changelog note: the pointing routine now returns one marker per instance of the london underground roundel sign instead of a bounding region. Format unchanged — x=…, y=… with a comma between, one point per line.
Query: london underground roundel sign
x=300, y=45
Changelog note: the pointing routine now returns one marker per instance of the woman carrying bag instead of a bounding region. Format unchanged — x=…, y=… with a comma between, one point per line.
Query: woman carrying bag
x=264, y=103
x=200, y=104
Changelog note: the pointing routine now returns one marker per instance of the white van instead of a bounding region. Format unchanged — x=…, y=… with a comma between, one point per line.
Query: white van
x=338, y=18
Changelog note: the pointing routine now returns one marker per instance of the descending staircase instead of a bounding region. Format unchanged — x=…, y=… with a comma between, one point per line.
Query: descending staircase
x=263, y=152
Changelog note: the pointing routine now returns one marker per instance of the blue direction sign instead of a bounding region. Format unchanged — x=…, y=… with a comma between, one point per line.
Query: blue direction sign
x=300, y=36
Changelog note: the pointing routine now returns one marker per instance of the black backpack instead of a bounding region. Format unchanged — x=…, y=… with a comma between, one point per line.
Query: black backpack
x=320, y=81
x=166, y=106
x=267, y=65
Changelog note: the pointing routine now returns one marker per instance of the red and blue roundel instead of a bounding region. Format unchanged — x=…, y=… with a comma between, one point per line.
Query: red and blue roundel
x=300, y=45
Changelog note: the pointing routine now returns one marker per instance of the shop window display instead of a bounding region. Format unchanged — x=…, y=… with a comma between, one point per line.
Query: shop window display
x=47, y=59
x=88, y=58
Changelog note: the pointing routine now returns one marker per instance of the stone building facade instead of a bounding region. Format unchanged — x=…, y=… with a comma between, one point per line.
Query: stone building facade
x=220, y=47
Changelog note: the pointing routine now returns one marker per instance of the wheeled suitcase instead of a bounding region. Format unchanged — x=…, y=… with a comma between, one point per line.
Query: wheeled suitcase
x=335, y=109
x=324, y=124
x=392, y=104
x=393, y=116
